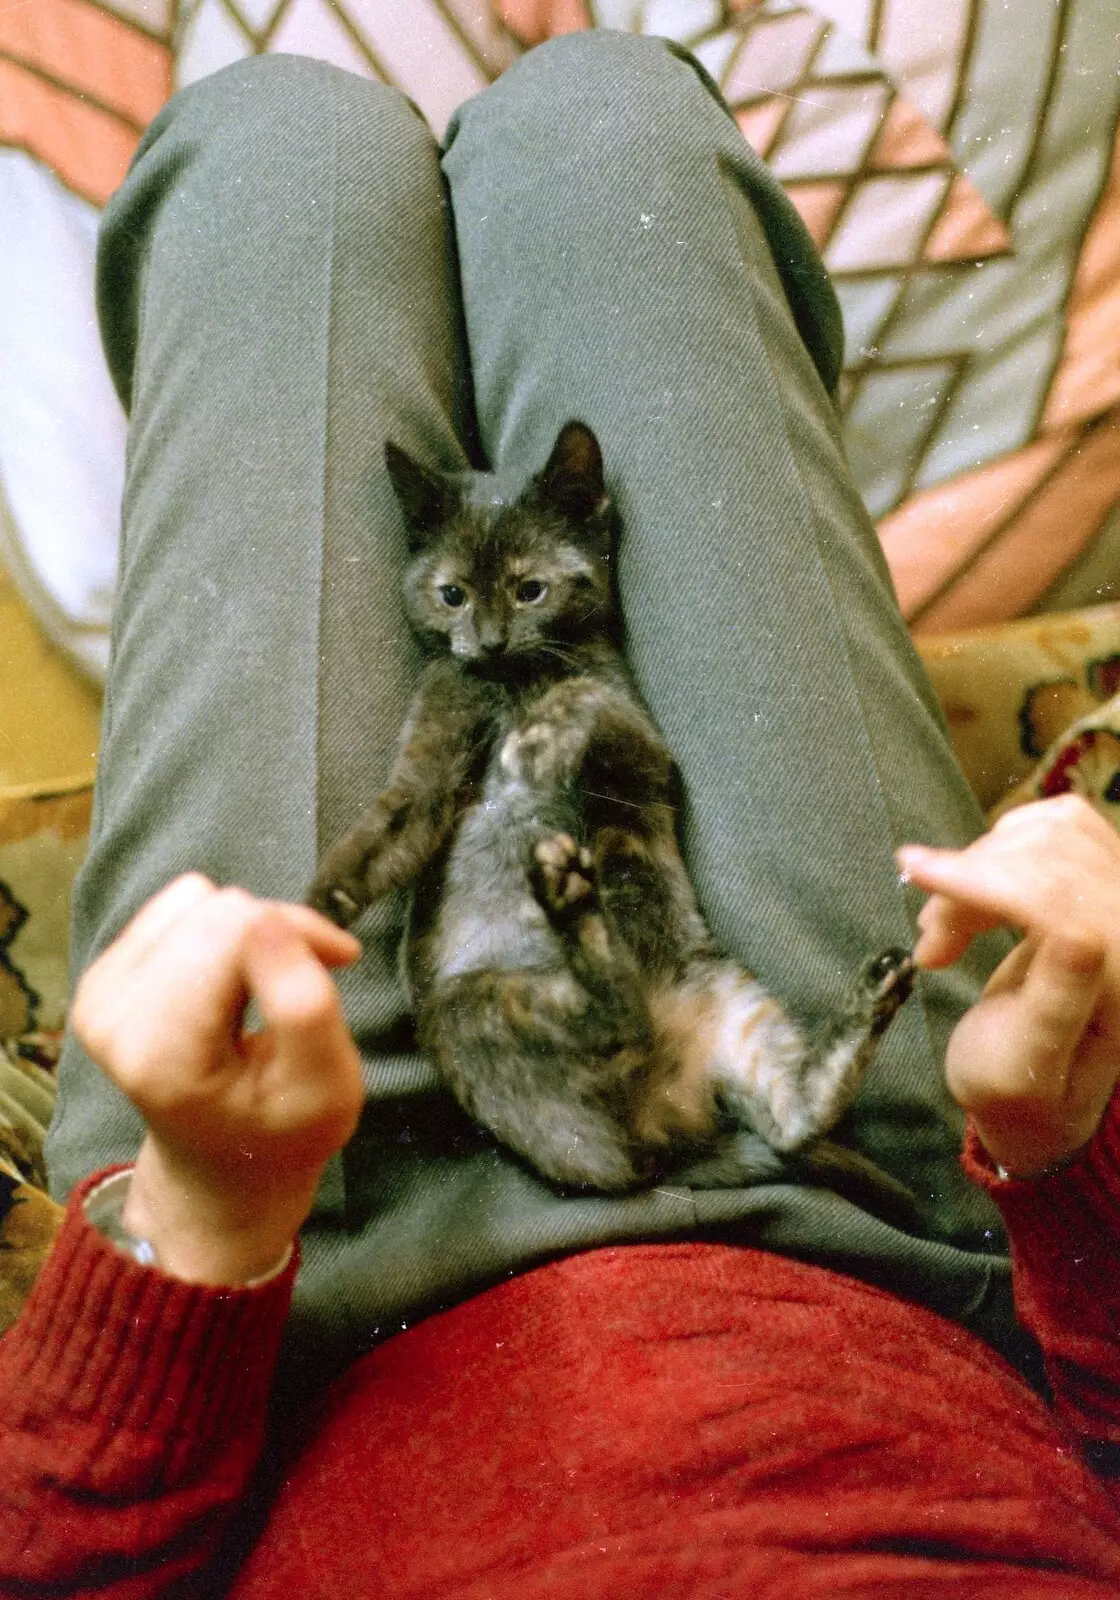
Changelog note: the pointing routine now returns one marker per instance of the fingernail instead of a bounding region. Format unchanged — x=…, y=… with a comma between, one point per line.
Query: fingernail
x=907, y=856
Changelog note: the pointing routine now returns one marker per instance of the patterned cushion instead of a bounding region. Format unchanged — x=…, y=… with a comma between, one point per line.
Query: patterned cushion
x=29, y=1221
x=1010, y=692
x=42, y=841
x=1084, y=759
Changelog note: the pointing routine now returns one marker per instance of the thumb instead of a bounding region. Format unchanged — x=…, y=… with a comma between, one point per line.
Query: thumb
x=1015, y=1061
x=1060, y=993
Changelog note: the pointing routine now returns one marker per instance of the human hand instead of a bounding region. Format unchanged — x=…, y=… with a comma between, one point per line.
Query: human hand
x=533, y=21
x=1036, y=1059
x=239, y=1124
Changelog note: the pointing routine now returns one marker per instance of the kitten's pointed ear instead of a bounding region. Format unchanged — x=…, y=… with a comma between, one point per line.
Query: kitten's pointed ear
x=426, y=497
x=572, y=481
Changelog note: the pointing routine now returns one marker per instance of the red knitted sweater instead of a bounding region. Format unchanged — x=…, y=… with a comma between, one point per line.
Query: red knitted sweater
x=662, y=1421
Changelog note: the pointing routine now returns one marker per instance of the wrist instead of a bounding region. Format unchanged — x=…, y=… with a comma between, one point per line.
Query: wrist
x=1021, y=1151
x=201, y=1231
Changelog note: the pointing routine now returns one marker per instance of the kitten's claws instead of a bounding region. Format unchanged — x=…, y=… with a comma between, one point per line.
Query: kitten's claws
x=334, y=903
x=343, y=908
x=887, y=980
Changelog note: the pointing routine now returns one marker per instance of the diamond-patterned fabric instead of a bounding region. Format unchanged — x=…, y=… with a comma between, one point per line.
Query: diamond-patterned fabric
x=959, y=169
x=78, y=84
x=439, y=53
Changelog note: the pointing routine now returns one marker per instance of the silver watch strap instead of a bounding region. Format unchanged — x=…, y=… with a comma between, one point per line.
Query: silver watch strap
x=103, y=1207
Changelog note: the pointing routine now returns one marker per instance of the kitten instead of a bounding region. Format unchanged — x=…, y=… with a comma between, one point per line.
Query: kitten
x=564, y=983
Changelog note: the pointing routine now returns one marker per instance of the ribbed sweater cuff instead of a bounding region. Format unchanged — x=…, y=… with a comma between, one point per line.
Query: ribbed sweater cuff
x=1064, y=1229
x=102, y=1337
x=1090, y=1183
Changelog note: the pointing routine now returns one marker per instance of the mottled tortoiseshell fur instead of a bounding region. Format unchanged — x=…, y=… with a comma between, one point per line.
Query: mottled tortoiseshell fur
x=564, y=982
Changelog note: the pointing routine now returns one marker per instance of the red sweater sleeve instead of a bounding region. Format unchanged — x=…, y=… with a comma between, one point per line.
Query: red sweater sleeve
x=132, y=1415
x=1065, y=1257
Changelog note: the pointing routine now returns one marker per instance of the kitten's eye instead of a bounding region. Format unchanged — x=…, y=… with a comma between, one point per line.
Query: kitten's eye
x=531, y=590
x=451, y=594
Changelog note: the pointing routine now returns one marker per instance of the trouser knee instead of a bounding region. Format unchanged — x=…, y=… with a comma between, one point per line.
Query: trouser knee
x=273, y=107
x=264, y=159
x=601, y=102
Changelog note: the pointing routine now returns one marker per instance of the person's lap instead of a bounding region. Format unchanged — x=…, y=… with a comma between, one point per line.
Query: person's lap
x=280, y=289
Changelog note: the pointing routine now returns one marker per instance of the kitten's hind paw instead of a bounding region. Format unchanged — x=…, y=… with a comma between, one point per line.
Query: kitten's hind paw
x=885, y=985
x=563, y=878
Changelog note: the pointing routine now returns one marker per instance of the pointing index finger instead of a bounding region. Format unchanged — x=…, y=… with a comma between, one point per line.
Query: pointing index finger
x=333, y=945
x=970, y=894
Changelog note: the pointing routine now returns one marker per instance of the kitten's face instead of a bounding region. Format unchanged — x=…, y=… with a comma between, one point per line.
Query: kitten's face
x=500, y=584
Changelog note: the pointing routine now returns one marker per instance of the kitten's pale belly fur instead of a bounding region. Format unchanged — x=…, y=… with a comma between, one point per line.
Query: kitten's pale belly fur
x=513, y=932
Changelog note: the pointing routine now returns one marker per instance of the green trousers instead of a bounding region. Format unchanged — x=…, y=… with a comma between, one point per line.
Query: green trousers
x=294, y=272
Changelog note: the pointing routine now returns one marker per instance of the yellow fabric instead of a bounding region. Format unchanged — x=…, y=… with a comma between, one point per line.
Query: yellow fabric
x=1010, y=691
x=49, y=716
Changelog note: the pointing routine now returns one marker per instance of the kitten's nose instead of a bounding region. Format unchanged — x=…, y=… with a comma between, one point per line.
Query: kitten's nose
x=491, y=643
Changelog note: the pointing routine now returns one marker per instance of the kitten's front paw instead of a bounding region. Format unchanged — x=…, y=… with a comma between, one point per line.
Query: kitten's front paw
x=542, y=754
x=342, y=900
x=563, y=878
x=885, y=985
